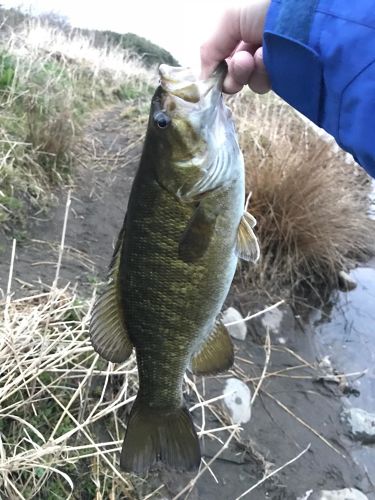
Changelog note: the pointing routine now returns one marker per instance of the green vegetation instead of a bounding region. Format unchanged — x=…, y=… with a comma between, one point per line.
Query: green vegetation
x=137, y=46
x=49, y=82
x=7, y=70
x=150, y=53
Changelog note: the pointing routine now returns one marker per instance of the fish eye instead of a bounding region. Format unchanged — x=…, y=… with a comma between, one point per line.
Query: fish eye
x=161, y=119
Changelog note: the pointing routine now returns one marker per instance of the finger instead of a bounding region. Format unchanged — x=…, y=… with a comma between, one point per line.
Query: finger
x=240, y=68
x=247, y=47
x=222, y=43
x=236, y=24
x=231, y=86
x=259, y=81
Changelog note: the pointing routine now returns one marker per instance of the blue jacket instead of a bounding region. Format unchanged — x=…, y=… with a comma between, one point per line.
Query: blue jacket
x=320, y=55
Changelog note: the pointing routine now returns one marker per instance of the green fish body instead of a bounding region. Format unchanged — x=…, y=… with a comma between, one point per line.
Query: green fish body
x=173, y=265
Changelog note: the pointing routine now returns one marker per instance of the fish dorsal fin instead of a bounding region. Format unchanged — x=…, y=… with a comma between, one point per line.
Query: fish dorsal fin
x=216, y=354
x=107, y=327
x=247, y=247
x=197, y=236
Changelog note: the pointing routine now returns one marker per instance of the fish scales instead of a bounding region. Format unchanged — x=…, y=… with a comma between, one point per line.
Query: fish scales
x=170, y=305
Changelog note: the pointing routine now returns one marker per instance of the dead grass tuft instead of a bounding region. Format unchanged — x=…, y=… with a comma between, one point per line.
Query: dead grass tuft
x=309, y=201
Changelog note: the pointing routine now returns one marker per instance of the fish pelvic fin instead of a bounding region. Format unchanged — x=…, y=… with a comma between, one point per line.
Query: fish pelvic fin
x=108, y=333
x=247, y=246
x=157, y=436
x=216, y=355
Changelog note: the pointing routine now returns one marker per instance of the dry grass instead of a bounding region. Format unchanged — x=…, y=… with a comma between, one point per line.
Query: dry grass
x=62, y=417
x=49, y=376
x=49, y=81
x=309, y=201
x=63, y=410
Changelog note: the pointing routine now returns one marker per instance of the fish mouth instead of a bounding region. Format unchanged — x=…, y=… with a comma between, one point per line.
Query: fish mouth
x=183, y=82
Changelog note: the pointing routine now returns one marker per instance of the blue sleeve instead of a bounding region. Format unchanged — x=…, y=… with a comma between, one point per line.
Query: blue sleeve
x=320, y=56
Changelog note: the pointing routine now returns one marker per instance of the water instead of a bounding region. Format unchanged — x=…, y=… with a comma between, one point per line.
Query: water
x=346, y=333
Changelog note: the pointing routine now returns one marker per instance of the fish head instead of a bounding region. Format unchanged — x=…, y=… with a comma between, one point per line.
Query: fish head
x=193, y=136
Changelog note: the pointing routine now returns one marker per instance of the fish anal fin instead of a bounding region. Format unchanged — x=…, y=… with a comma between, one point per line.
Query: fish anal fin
x=107, y=326
x=216, y=354
x=247, y=246
x=197, y=236
x=155, y=435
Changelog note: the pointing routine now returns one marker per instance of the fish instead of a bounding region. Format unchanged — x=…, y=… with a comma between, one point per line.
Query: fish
x=173, y=264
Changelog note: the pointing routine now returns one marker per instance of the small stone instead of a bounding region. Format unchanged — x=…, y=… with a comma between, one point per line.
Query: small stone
x=306, y=495
x=345, y=494
x=281, y=340
x=325, y=365
x=238, y=330
x=272, y=320
x=237, y=397
x=361, y=424
x=346, y=282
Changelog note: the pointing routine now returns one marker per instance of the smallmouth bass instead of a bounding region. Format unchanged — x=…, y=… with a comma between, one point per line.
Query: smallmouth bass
x=173, y=265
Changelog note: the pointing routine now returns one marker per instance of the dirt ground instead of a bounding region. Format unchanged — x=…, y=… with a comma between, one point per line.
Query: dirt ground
x=295, y=406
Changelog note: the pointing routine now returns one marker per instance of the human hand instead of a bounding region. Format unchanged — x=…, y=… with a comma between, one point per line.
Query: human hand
x=238, y=39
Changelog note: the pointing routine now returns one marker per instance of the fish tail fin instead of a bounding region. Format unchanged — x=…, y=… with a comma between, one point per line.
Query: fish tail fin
x=159, y=435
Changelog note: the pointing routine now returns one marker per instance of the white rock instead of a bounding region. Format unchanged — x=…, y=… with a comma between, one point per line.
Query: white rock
x=281, y=340
x=361, y=424
x=272, y=320
x=346, y=282
x=237, y=398
x=325, y=365
x=239, y=329
x=345, y=494
x=325, y=362
x=306, y=496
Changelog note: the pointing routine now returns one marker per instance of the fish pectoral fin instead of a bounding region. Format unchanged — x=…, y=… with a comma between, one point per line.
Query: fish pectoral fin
x=216, y=355
x=247, y=246
x=107, y=327
x=197, y=236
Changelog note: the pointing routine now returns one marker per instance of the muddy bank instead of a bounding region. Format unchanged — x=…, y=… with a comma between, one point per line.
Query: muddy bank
x=295, y=405
x=107, y=159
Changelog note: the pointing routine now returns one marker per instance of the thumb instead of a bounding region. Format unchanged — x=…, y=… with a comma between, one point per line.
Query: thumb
x=222, y=42
x=235, y=25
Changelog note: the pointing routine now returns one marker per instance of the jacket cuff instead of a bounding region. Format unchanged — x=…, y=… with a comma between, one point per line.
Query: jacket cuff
x=294, y=68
